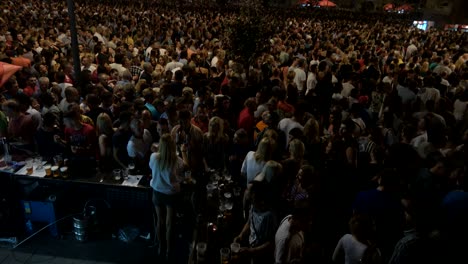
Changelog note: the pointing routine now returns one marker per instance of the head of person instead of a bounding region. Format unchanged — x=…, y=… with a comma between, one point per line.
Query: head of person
x=49, y=120
x=264, y=150
x=216, y=127
x=104, y=125
x=184, y=120
x=11, y=108
x=44, y=83
x=296, y=149
x=163, y=126
x=149, y=95
x=301, y=216
x=250, y=104
x=361, y=227
x=136, y=126
x=241, y=137
x=308, y=178
x=11, y=86
x=72, y=116
x=71, y=94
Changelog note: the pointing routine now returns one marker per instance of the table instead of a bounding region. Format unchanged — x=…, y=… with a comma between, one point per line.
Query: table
x=122, y=204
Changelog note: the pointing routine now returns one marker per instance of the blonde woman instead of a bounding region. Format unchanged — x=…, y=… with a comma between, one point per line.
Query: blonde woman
x=215, y=143
x=254, y=161
x=166, y=169
x=294, y=162
x=104, y=132
x=312, y=142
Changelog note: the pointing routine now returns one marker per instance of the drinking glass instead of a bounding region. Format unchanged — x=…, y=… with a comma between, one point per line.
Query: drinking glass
x=201, y=251
x=210, y=189
x=58, y=160
x=235, y=248
x=224, y=252
x=125, y=173
x=227, y=177
x=117, y=174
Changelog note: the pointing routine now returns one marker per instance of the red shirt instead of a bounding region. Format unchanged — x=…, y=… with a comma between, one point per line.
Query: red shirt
x=246, y=121
x=83, y=141
x=203, y=126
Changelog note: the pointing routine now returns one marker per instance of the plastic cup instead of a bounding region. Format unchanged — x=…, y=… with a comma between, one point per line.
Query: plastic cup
x=55, y=171
x=48, y=171
x=64, y=172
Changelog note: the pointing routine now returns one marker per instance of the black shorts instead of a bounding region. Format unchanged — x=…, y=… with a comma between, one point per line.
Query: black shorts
x=161, y=199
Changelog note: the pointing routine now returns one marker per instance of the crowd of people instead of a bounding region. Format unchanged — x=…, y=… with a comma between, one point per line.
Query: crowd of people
x=342, y=118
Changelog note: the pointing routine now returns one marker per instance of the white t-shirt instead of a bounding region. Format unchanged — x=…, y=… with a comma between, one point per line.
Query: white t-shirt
x=165, y=181
x=347, y=87
x=251, y=167
x=300, y=78
x=311, y=82
x=459, y=109
x=138, y=147
x=429, y=93
x=173, y=65
x=350, y=248
x=287, y=251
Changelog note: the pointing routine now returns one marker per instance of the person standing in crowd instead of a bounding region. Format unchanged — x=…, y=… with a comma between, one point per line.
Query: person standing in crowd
x=105, y=131
x=166, y=170
x=138, y=147
x=80, y=141
x=120, y=140
x=260, y=227
x=21, y=127
x=290, y=238
x=215, y=143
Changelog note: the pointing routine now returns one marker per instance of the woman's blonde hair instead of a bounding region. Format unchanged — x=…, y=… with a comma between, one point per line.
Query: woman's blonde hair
x=104, y=125
x=270, y=171
x=264, y=150
x=220, y=133
x=167, y=158
x=296, y=149
x=311, y=131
